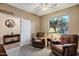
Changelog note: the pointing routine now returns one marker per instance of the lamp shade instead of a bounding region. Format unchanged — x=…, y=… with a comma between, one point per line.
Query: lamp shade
x=51, y=30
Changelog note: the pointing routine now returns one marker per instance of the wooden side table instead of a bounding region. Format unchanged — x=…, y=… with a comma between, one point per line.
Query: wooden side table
x=11, y=39
x=2, y=51
x=45, y=38
x=48, y=42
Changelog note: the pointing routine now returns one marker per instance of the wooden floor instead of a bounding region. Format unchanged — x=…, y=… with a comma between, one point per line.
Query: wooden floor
x=2, y=51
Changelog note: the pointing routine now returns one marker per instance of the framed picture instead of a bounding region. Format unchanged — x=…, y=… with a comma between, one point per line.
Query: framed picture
x=10, y=23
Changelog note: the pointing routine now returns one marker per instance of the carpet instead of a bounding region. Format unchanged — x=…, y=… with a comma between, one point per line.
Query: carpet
x=29, y=50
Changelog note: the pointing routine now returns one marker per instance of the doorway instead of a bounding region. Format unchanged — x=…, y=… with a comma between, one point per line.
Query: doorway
x=25, y=32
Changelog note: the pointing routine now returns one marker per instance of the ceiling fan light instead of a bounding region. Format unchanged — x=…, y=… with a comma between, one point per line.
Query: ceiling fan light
x=44, y=8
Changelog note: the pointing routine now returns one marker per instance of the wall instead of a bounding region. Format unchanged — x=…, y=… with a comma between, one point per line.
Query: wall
x=4, y=30
x=35, y=20
x=73, y=25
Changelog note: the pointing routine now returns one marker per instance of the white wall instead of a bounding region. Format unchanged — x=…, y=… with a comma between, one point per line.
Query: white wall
x=5, y=30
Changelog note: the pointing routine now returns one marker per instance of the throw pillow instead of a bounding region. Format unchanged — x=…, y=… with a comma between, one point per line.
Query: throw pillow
x=63, y=40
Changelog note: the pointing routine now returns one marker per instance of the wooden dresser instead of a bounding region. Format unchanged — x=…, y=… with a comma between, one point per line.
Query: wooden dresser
x=9, y=39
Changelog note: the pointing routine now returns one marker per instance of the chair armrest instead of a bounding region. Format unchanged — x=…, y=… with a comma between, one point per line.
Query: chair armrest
x=69, y=45
x=67, y=48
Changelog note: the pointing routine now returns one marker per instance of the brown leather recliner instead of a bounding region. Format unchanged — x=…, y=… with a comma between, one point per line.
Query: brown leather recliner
x=68, y=47
x=39, y=41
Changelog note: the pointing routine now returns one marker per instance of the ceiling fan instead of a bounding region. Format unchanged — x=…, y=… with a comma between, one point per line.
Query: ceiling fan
x=44, y=6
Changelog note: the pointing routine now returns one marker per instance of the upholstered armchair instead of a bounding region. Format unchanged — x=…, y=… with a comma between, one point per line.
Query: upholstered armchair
x=39, y=40
x=67, y=46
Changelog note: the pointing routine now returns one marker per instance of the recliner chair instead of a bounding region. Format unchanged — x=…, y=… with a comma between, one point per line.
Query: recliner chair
x=68, y=47
x=39, y=40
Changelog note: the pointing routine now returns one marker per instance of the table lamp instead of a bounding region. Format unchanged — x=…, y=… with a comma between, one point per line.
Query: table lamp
x=51, y=31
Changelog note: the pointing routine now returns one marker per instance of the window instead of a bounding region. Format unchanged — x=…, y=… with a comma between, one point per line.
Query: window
x=59, y=24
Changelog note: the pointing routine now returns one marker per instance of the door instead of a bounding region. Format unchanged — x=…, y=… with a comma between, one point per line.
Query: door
x=25, y=32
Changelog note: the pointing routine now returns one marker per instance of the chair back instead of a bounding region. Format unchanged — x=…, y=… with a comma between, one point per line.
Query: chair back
x=72, y=39
x=40, y=34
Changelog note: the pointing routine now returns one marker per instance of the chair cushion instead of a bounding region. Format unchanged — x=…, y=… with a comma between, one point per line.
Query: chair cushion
x=37, y=40
x=57, y=48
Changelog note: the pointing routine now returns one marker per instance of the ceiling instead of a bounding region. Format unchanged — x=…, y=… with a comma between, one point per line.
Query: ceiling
x=35, y=9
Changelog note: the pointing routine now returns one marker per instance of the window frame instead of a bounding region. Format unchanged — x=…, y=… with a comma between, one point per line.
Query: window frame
x=58, y=18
